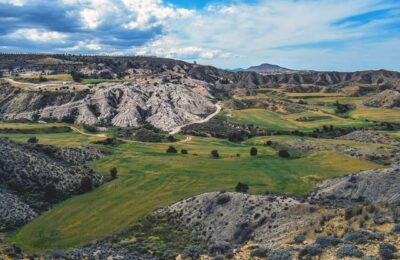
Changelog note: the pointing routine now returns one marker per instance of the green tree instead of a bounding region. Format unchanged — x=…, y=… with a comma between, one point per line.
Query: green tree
x=241, y=187
x=172, y=149
x=253, y=151
x=86, y=184
x=113, y=172
x=33, y=140
x=215, y=153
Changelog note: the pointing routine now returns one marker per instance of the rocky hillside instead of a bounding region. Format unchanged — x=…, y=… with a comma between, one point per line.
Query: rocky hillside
x=32, y=177
x=385, y=99
x=164, y=106
x=373, y=186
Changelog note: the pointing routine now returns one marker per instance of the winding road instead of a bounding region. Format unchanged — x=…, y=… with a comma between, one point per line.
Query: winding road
x=175, y=131
x=179, y=128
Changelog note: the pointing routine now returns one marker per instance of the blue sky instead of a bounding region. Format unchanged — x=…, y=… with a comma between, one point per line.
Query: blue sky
x=342, y=35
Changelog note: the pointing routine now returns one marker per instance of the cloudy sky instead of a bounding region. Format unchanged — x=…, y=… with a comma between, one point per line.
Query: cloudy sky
x=339, y=35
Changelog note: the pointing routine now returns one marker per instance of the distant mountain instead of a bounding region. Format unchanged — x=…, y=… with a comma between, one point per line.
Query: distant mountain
x=267, y=68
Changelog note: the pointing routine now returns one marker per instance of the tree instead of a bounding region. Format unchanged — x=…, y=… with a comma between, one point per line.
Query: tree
x=86, y=184
x=172, y=149
x=215, y=154
x=253, y=151
x=268, y=143
x=171, y=138
x=76, y=76
x=184, y=151
x=284, y=154
x=241, y=187
x=113, y=172
x=33, y=140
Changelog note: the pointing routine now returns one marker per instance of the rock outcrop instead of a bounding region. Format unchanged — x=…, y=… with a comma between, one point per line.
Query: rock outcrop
x=373, y=186
x=385, y=99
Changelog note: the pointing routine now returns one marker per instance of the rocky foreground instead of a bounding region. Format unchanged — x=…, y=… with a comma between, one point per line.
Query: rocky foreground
x=33, y=177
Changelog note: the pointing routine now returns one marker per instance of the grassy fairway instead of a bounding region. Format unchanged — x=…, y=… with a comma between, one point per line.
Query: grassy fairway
x=275, y=121
x=149, y=178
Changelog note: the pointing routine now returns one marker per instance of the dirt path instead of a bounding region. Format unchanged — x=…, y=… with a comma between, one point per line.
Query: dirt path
x=179, y=128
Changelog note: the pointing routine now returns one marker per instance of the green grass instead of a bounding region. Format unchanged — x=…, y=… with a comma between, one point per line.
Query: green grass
x=276, y=121
x=150, y=178
x=59, y=77
x=97, y=81
x=30, y=126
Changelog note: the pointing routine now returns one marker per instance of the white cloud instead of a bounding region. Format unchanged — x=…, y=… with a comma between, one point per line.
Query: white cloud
x=13, y=2
x=37, y=35
x=90, y=45
x=250, y=33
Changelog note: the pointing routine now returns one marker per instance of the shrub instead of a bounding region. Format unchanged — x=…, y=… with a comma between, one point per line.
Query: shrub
x=396, y=229
x=284, y=154
x=215, y=154
x=171, y=138
x=348, y=250
x=184, y=151
x=192, y=252
x=172, y=149
x=328, y=241
x=279, y=254
x=241, y=187
x=219, y=248
x=310, y=250
x=253, y=151
x=33, y=140
x=259, y=252
x=223, y=198
x=362, y=237
x=299, y=239
x=268, y=143
x=243, y=233
x=86, y=184
x=386, y=251
x=113, y=172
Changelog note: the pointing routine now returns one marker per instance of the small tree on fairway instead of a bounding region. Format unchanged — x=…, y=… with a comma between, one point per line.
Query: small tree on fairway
x=215, y=154
x=172, y=149
x=242, y=187
x=184, y=151
x=253, y=151
x=113, y=172
x=284, y=154
x=33, y=140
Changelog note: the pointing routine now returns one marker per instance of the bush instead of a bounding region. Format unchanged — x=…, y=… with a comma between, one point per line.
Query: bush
x=327, y=241
x=310, y=250
x=348, y=250
x=215, y=154
x=86, y=184
x=283, y=154
x=386, y=251
x=113, y=172
x=243, y=233
x=259, y=252
x=253, y=151
x=241, y=187
x=219, y=248
x=184, y=151
x=279, y=254
x=172, y=149
x=299, y=239
x=223, y=198
x=362, y=237
x=268, y=143
x=192, y=253
x=395, y=229
x=33, y=140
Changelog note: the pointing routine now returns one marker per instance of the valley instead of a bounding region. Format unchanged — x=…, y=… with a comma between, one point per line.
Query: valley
x=176, y=132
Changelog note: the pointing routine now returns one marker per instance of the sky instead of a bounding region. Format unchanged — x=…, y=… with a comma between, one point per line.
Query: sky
x=342, y=35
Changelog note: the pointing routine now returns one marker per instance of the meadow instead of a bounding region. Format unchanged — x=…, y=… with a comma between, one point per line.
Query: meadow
x=150, y=178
